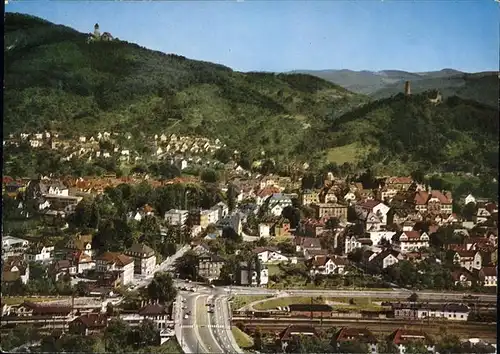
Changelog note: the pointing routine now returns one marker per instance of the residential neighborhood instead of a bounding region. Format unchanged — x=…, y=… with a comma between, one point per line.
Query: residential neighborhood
x=402, y=228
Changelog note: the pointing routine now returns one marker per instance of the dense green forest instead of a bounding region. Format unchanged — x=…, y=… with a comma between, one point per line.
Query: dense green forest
x=55, y=79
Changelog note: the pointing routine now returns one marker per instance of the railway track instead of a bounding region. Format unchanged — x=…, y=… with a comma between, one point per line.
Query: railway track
x=379, y=327
x=426, y=322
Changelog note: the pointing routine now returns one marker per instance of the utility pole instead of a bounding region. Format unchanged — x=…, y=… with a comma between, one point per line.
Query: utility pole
x=312, y=315
x=230, y=284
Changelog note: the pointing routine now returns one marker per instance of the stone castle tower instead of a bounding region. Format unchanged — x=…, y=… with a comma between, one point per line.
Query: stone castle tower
x=407, y=88
x=438, y=99
x=97, y=33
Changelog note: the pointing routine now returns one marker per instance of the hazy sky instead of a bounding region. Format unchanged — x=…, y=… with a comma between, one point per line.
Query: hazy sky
x=282, y=35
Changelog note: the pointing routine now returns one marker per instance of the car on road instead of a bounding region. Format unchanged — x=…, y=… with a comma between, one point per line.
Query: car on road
x=188, y=313
x=186, y=316
x=212, y=286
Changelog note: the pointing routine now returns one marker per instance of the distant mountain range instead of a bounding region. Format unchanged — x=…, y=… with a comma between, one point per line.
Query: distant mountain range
x=482, y=87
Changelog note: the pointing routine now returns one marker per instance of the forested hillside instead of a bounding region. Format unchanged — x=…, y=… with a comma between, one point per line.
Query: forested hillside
x=56, y=80
x=406, y=133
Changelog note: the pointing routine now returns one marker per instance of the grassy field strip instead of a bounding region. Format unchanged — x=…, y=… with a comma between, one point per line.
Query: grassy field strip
x=368, y=304
x=240, y=301
x=242, y=339
x=273, y=303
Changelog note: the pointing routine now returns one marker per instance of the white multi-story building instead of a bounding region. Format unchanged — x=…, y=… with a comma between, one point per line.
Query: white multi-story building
x=39, y=254
x=176, y=216
x=144, y=258
x=222, y=210
x=13, y=246
x=408, y=241
x=207, y=217
x=249, y=276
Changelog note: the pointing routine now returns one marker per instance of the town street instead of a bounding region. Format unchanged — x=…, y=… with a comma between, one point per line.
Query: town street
x=166, y=265
x=203, y=332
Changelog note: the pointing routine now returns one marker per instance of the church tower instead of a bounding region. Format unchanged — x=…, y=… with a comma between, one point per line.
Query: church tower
x=97, y=34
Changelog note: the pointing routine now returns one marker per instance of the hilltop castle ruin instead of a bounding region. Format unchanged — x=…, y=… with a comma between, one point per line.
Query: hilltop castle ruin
x=97, y=36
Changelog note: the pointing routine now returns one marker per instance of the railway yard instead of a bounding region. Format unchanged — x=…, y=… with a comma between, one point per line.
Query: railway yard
x=380, y=322
x=485, y=331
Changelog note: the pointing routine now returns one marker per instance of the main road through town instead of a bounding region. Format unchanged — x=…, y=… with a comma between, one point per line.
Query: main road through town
x=165, y=266
x=201, y=330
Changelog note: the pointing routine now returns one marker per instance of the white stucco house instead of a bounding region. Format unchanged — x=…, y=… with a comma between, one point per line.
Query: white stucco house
x=39, y=254
x=270, y=255
x=277, y=202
